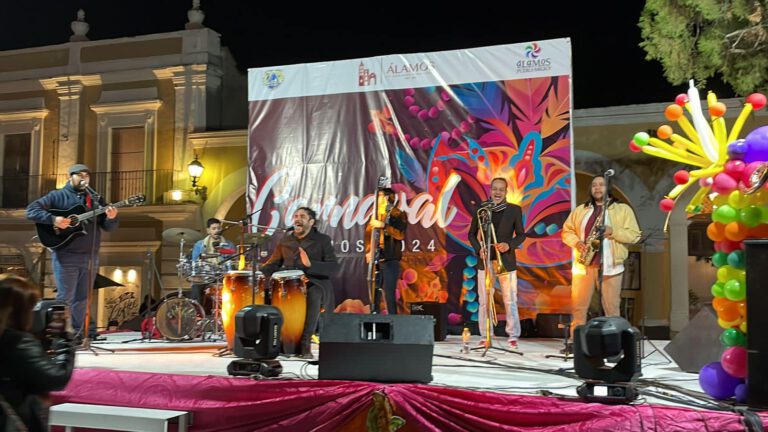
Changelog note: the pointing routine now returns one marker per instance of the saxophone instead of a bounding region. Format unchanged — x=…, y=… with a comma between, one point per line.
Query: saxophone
x=593, y=240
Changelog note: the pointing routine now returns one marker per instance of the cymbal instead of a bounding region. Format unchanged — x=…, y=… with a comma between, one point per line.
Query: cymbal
x=256, y=238
x=176, y=234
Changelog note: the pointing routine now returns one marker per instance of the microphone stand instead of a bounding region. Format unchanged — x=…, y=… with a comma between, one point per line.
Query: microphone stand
x=601, y=236
x=86, y=346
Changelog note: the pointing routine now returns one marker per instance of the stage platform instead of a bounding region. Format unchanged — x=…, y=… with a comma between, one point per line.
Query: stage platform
x=500, y=391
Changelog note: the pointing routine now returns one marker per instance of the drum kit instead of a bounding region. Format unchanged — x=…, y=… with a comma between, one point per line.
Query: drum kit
x=180, y=318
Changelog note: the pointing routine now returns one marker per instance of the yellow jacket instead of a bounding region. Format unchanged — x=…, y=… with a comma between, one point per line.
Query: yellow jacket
x=621, y=220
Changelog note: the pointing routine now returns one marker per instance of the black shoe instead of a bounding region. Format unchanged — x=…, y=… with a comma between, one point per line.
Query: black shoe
x=307, y=356
x=568, y=349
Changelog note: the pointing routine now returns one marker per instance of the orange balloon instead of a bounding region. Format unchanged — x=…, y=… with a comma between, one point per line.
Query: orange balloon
x=727, y=310
x=664, y=131
x=717, y=109
x=735, y=231
x=716, y=231
x=743, y=308
x=673, y=112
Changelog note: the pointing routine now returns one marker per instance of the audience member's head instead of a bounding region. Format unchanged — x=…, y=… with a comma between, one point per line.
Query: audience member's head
x=18, y=298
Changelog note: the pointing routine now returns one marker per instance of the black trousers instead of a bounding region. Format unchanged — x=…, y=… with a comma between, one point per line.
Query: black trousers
x=386, y=280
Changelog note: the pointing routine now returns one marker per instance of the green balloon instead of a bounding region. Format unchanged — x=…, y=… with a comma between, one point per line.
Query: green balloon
x=733, y=337
x=717, y=290
x=725, y=214
x=751, y=216
x=734, y=290
x=735, y=259
x=720, y=259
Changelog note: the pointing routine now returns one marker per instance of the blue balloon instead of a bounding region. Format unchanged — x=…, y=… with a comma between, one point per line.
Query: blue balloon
x=470, y=296
x=472, y=307
x=468, y=284
x=741, y=393
x=471, y=260
x=469, y=272
x=737, y=149
x=716, y=382
x=757, y=145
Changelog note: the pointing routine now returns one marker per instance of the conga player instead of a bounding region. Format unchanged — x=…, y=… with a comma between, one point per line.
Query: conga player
x=306, y=249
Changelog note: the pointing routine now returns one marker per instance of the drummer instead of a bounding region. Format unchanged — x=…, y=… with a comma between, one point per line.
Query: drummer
x=213, y=248
x=306, y=249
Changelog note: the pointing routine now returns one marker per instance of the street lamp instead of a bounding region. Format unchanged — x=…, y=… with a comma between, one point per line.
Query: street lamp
x=195, y=169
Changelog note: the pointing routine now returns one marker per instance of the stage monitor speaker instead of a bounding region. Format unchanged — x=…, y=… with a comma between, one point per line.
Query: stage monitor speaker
x=756, y=256
x=439, y=311
x=698, y=343
x=550, y=325
x=382, y=348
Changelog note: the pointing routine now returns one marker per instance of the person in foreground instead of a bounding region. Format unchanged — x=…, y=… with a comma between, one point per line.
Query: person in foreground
x=27, y=372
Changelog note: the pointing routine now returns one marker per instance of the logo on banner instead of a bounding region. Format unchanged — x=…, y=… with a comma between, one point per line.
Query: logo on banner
x=273, y=78
x=409, y=70
x=533, y=62
x=364, y=76
x=533, y=50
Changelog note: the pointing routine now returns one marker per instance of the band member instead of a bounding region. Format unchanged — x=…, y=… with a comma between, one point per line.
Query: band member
x=215, y=249
x=70, y=262
x=507, y=221
x=579, y=229
x=392, y=222
x=306, y=249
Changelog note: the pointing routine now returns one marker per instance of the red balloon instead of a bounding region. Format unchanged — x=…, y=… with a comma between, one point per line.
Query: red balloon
x=634, y=147
x=681, y=177
x=734, y=361
x=757, y=100
x=681, y=99
x=666, y=205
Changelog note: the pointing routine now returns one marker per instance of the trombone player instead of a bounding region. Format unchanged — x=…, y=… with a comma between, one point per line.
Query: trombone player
x=507, y=233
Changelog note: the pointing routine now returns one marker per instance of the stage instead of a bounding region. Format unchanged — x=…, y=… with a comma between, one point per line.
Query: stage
x=501, y=391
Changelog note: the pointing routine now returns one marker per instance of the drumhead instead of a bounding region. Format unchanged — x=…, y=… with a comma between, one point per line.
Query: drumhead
x=178, y=317
x=287, y=274
x=236, y=273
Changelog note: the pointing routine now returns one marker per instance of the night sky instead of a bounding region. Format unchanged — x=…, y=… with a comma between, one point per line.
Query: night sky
x=609, y=66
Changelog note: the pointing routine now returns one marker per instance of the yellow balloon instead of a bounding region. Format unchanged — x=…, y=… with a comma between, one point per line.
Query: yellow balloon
x=741, y=276
x=738, y=200
x=743, y=327
x=729, y=324
x=720, y=200
x=723, y=274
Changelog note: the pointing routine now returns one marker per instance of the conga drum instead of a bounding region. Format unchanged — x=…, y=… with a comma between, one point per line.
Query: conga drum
x=238, y=292
x=289, y=294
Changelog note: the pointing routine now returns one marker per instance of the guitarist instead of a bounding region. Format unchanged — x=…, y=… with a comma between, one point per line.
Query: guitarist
x=70, y=262
x=392, y=222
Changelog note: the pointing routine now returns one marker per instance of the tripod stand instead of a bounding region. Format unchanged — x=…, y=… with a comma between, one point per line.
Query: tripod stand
x=488, y=235
x=643, y=339
x=567, y=353
x=152, y=276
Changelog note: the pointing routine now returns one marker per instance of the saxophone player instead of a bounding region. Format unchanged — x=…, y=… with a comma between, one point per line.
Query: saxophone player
x=507, y=221
x=581, y=232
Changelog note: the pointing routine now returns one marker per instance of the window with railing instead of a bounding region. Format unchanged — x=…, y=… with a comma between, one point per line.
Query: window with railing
x=113, y=186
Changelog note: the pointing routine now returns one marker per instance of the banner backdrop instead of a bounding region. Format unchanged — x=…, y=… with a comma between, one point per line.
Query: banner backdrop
x=440, y=126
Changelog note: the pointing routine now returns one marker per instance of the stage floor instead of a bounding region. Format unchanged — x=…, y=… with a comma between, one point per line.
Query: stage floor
x=531, y=373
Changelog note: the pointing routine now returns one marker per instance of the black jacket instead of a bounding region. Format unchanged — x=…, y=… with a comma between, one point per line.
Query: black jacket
x=63, y=199
x=320, y=253
x=509, y=228
x=394, y=234
x=26, y=372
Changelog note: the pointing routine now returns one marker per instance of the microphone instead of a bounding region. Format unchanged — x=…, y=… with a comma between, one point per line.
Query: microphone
x=83, y=182
x=215, y=244
x=609, y=173
x=289, y=229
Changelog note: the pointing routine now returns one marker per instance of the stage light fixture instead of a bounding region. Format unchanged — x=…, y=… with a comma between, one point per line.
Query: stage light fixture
x=607, y=357
x=257, y=341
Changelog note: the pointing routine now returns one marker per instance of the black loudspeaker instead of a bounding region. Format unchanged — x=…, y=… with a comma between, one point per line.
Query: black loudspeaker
x=756, y=255
x=698, y=343
x=383, y=348
x=437, y=310
x=550, y=325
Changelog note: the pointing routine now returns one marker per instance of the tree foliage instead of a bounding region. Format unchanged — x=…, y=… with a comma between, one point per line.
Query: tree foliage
x=701, y=39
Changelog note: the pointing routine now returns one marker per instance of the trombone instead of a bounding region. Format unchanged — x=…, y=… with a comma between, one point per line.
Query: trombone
x=484, y=216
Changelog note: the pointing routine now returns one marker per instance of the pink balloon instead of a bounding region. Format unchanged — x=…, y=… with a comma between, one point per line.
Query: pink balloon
x=734, y=361
x=705, y=182
x=666, y=205
x=735, y=168
x=723, y=184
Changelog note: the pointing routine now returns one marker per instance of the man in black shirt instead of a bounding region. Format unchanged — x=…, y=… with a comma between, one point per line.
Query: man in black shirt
x=392, y=222
x=310, y=251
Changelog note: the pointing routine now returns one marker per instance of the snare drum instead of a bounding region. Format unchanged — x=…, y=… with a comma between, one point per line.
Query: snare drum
x=288, y=290
x=237, y=293
x=200, y=272
x=178, y=318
